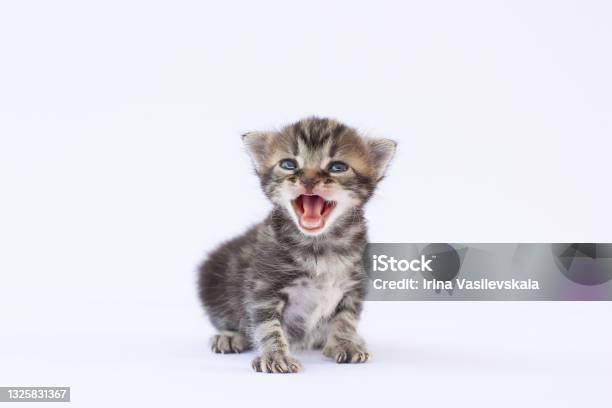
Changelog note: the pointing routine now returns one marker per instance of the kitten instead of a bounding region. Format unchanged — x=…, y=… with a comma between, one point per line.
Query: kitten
x=296, y=280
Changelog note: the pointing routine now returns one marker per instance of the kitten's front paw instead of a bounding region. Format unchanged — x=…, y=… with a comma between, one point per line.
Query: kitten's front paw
x=347, y=353
x=276, y=362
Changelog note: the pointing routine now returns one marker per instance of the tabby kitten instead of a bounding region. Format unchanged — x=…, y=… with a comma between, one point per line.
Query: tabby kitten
x=296, y=280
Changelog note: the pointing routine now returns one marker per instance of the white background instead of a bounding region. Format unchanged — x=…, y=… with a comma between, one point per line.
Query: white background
x=121, y=165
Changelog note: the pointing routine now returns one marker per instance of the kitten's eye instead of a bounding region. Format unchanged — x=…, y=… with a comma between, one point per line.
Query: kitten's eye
x=337, y=167
x=288, y=164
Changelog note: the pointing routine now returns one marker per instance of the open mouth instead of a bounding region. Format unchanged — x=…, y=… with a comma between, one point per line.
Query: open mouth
x=312, y=210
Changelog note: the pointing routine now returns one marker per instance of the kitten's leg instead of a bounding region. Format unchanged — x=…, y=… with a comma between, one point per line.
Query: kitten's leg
x=271, y=339
x=343, y=344
x=229, y=342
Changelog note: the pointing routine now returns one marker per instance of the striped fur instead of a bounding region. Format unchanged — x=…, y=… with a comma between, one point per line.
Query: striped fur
x=280, y=287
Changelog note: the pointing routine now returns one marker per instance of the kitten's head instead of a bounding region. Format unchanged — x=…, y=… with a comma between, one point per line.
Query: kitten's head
x=318, y=170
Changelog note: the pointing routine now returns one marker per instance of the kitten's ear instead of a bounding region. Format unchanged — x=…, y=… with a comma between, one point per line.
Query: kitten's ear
x=257, y=146
x=381, y=152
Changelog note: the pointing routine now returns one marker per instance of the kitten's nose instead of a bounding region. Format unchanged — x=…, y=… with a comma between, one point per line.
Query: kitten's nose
x=309, y=183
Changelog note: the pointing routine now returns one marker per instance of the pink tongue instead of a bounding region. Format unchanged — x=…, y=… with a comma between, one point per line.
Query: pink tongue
x=313, y=207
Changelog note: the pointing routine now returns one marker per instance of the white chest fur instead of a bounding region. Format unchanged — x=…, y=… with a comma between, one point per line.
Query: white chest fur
x=313, y=299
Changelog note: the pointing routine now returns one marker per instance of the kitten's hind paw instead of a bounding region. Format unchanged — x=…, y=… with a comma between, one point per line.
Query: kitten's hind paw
x=347, y=353
x=228, y=342
x=276, y=362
